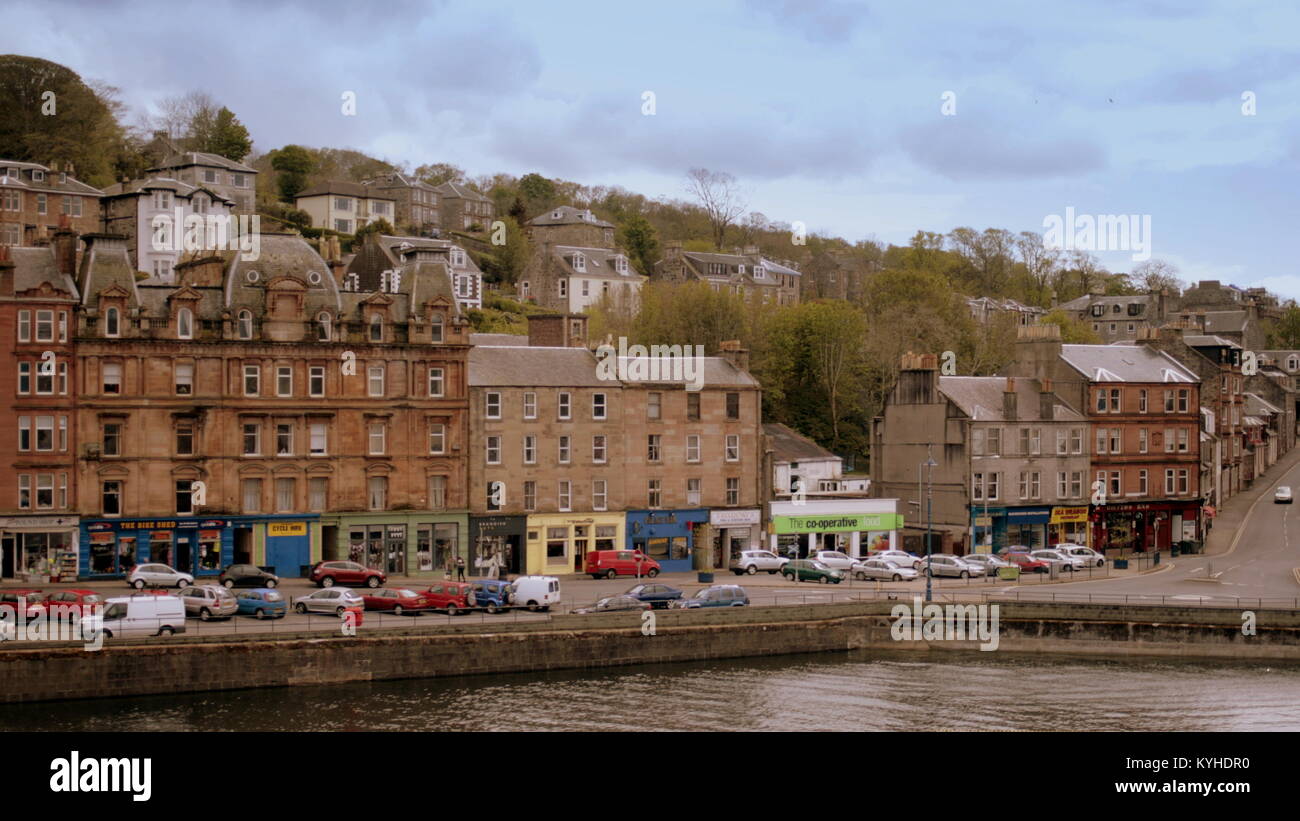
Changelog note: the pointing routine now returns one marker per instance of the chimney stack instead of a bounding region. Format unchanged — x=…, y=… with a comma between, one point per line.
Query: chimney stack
x=918, y=380
x=1009, y=400
x=6, y=272
x=65, y=247
x=1046, y=401
x=731, y=351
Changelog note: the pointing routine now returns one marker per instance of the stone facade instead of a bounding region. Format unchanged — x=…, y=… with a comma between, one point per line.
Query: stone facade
x=34, y=199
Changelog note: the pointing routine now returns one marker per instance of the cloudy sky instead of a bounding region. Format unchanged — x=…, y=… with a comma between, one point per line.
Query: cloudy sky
x=830, y=112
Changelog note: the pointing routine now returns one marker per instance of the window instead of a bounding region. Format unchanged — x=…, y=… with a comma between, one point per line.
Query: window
x=376, y=328
x=317, y=494
x=184, y=497
x=994, y=480
x=977, y=486
x=692, y=492
x=284, y=495
x=185, y=324
x=184, y=438
x=733, y=447
x=437, y=492
x=530, y=405
x=252, y=495
x=110, y=498
x=283, y=439
x=653, y=495
x=1024, y=485
x=1183, y=397
x=63, y=433
x=530, y=496
x=45, y=433
x=493, y=405
x=44, y=326
x=375, y=380
x=318, y=439
x=1035, y=485
x=733, y=490
x=557, y=542
x=245, y=324
x=316, y=381
x=693, y=406
x=1062, y=485
x=563, y=287
x=1169, y=401
x=44, y=378
x=598, y=406
x=24, y=491
x=437, y=438
x=493, y=447
x=252, y=380
x=1116, y=440
x=1114, y=400
x=112, y=324
x=565, y=499
x=112, y=378
x=24, y=377
x=733, y=406
x=1169, y=481
x=653, y=453
x=530, y=449
x=1076, y=440
x=564, y=450
x=63, y=326
x=112, y=435
x=693, y=448
x=566, y=408
x=1142, y=483
x=1062, y=445
x=653, y=409
x=42, y=204
x=377, y=487
x=1142, y=440
x=435, y=382
x=323, y=330
x=1076, y=484
x=599, y=495
x=1115, y=485
x=284, y=380
x=1183, y=487
x=1101, y=401
x=598, y=449
x=993, y=442
x=184, y=379
x=1142, y=401
x=63, y=378
x=252, y=438
x=1102, y=439
x=1182, y=440
x=1169, y=440
x=376, y=433
x=71, y=206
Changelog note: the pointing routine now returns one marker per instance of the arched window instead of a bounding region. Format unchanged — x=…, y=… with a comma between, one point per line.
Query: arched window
x=112, y=325
x=376, y=328
x=245, y=324
x=323, y=327
x=184, y=324
x=435, y=328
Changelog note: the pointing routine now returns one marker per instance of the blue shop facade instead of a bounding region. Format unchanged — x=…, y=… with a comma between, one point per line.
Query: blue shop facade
x=667, y=536
x=200, y=545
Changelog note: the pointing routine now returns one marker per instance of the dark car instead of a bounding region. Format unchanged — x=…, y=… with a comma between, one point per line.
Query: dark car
x=247, y=575
x=660, y=596
x=395, y=600
x=720, y=595
x=348, y=574
x=613, y=604
x=493, y=595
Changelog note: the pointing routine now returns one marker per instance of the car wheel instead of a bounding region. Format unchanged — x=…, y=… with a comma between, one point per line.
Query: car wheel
x=138, y=584
x=492, y=609
x=339, y=612
x=751, y=570
x=372, y=582
x=824, y=580
x=260, y=614
x=166, y=631
x=182, y=584
x=228, y=584
x=532, y=607
x=452, y=610
x=860, y=576
x=963, y=575
x=397, y=610
x=652, y=572
x=897, y=577
x=271, y=583
x=108, y=634
x=205, y=614
x=328, y=581
x=611, y=573
x=300, y=608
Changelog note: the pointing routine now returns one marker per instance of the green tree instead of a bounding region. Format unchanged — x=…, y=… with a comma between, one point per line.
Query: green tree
x=637, y=236
x=379, y=226
x=224, y=135
x=292, y=165
x=513, y=256
x=1073, y=331
x=538, y=192
x=439, y=172
x=1285, y=333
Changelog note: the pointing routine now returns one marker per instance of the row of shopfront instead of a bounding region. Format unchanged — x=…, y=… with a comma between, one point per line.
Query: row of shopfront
x=1131, y=527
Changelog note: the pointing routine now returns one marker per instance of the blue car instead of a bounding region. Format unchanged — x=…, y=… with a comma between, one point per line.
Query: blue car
x=262, y=603
x=660, y=596
x=493, y=595
x=720, y=595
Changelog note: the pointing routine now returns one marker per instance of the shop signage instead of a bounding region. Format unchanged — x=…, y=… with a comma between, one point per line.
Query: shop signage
x=1134, y=507
x=1029, y=516
x=984, y=521
x=832, y=523
x=727, y=518
x=32, y=522
x=500, y=524
x=1069, y=515
x=661, y=518
x=275, y=529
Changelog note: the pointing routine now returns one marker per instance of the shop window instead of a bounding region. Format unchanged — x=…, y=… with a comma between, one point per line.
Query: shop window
x=210, y=551
x=605, y=536
x=557, y=542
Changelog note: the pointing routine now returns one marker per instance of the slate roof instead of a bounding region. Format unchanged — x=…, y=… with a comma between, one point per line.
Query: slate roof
x=281, y=255
x=569, y=215
x=1208, y=341
x=346, y=189
x=54, y=180
x=104, y=265
x=512, y=366
x=142, y=187
x=1126, y=363
x=34, y=266
x=980, y=398
x=1257, y=405
x=189, y=158
x=499, y=340
x=451, y=189
x=599, y=262
x=1225, y=321
x=790, y=446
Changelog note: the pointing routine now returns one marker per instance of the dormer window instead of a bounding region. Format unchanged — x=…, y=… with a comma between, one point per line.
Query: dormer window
x=436, y=327
x=376, y=328
x=555, y=215
x=323, y=327
x=38, y=175
x=200, y=204
x=245, y=324
x=184, y=324
x=620, y=264
x=1098, y=310
x=1115, y=308
x=579, y=263
x=741, y=269
x=112, y=322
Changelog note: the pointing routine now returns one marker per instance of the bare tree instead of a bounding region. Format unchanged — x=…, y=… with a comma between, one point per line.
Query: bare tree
x=1040, y=262
x=1156, y=275
x=719, y=195
x=181, y=114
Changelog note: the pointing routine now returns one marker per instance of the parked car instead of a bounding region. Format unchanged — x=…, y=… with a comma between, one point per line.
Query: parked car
x=883, y=569
x=395, y=600
x=537, y=592
x=157, y=575
x=493, y=595
x=945, y=564
x=335, y=600
x=658, y=596
x=752, y=561
x=1059, y=559
x=1282, y=496
x=811, y=570
x=33, y=601
x=453, y=597
x=209, y=601
x=613, y=604
x=247, y=575
x=719, y=595
x=833, y=559
x=262, y=603
x=988, y=561
x=84, y=601
x=1026, y=563
x=899, y=557
x=612, y=563
x=1087, y=554
x=328, y=574
x=139, y=616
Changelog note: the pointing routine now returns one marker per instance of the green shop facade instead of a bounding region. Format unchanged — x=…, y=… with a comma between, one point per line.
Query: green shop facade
x=400, y=543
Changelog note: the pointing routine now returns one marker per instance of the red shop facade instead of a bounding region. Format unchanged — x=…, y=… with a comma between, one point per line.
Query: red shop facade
x=1140, y=527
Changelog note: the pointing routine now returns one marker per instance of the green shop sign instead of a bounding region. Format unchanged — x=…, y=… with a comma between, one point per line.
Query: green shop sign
x=837, y=523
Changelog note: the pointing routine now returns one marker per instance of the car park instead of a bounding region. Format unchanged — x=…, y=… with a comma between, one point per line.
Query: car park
x=899, y=557
x=1061, y=560
x=247, y=575
x=834, y=559
x=33, y=601
x=452, y=597
x=1086, y=554
x=348, y=574
x=752, y=561
x=719, y=595
x=614, y=563
x=1026, y=563
x=157, y=575
x=262, y=603
x=395, y=600
x=536, y=592
x=883, y=569
x=333, y=600
x=945, y=564
x=208, y=601
x=493, y=595
x=614, y=604
x=1282, y=496
x=988, y=561
x=800, y=570
x=658, y=596
x=139, y=616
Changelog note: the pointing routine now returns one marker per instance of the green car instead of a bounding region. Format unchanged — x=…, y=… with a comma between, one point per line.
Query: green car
x=810, y=570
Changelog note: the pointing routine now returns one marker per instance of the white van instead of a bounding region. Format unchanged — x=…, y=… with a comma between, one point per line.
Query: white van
x=142, y=616
x=536, y=592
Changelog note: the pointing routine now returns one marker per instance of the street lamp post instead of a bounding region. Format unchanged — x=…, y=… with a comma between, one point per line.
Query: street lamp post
x=929, y=507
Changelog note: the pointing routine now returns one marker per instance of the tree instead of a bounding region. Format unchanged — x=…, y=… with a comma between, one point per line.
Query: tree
x=511, y=258
x=223, y=135
x=1156, y=275
x=637, y=236
x=379, y=226
x=1285, y=333
x=719, y=195
x=292, y=165
x=439, y=172
x=1040, y=263
x=1073, y=331
x=538, y=192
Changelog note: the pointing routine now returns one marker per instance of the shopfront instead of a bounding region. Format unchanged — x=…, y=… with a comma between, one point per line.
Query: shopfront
x=853, y=526
x=400, y=544
x=498, y=544
x=1139, y=527
x=1069, y=525
x=109, y=548
x=558, y=542
x=733, y=531
x=667, y=536
x=38, y=546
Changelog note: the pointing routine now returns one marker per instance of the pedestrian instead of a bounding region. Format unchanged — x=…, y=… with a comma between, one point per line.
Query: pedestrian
x=460, y=568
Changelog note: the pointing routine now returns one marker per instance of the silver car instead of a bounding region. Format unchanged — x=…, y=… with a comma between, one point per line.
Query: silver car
x=883, y=569
x=1087, y=554
x=158, y=575
x=752, y=561
x=988, y=561
x=209, y=601
x=333, y=600
x=1059, y=559
x=899, y=557
x=944, y=564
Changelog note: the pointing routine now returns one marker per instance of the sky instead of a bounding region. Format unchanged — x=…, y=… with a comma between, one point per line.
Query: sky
x=866, y=120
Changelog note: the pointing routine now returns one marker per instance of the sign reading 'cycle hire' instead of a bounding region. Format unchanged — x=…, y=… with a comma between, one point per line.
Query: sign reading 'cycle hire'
x=286, y=529
x=837, y=523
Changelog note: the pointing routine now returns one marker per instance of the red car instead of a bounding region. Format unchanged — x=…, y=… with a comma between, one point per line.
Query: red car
x=84, y=601
x=612, y=563
x=395, y=600
x=349, y=574
x=454, y=597
x=1026, y=563
x=33, y=600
